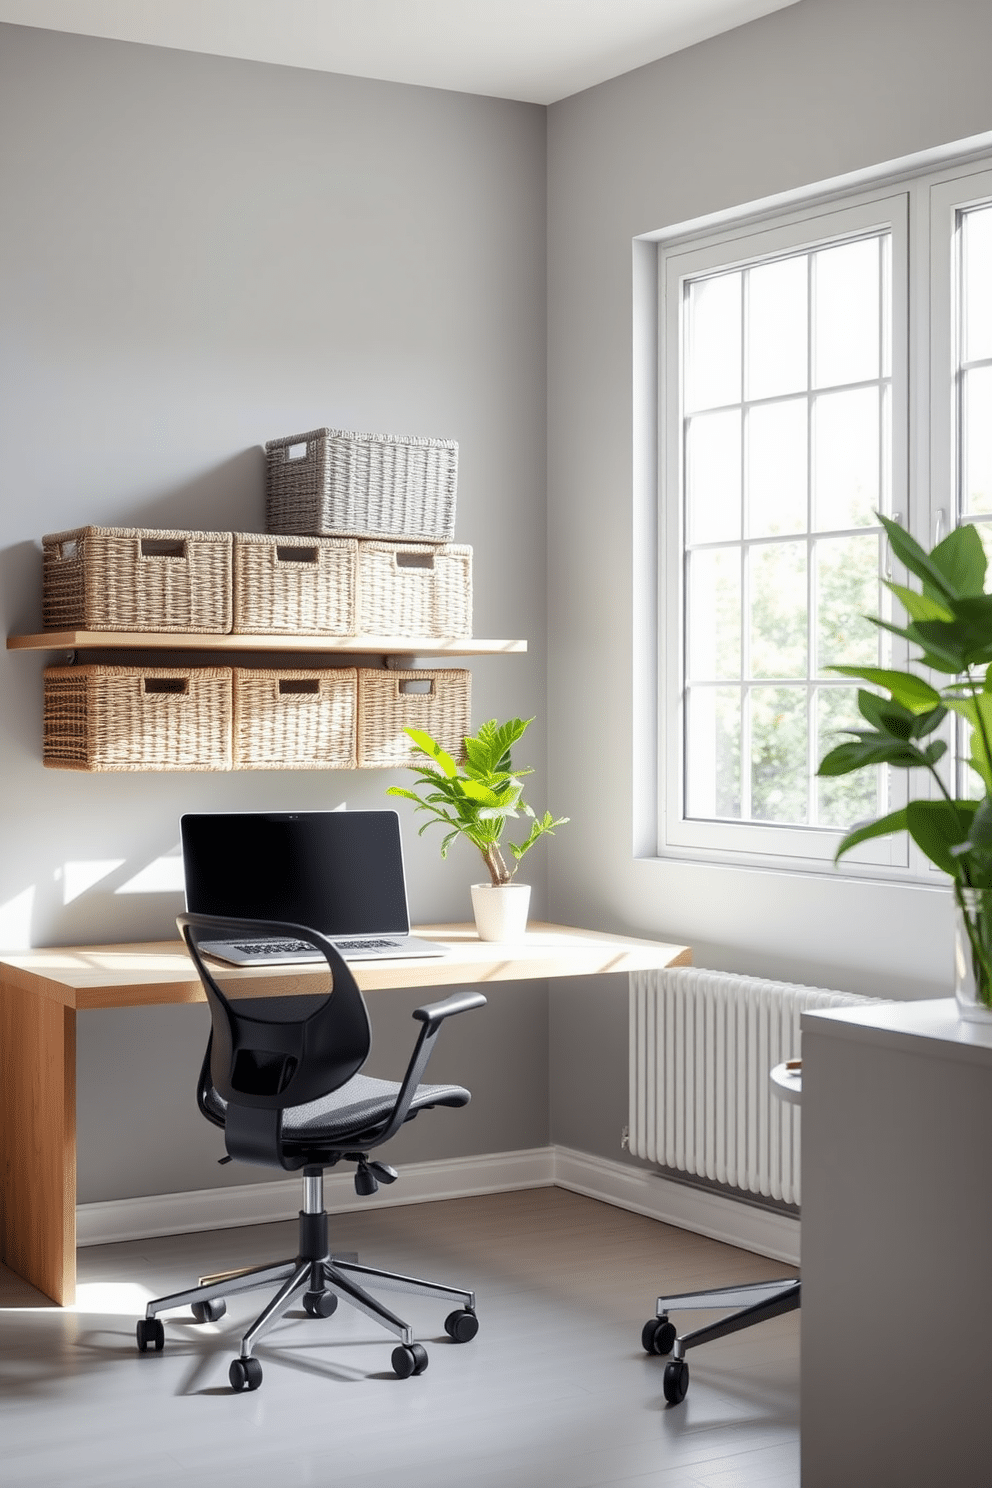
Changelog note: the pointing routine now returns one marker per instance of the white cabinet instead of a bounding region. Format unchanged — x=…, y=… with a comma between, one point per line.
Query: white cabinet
x=896, y=1248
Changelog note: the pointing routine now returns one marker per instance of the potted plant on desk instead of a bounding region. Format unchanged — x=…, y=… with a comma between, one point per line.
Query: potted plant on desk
x=476, y=801
x=951, y=622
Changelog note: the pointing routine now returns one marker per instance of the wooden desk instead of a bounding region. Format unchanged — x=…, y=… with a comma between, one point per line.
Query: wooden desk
x=41, y=991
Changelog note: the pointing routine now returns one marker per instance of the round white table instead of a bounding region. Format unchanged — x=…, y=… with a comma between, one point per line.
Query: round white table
x=787, y=1081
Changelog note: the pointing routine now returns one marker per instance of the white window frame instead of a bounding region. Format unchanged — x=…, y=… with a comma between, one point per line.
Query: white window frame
x=916, y=206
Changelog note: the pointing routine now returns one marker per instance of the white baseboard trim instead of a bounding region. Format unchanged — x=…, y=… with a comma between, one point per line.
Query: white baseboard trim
x=637, y=1189
x=700, y=1210
x=262, y=1203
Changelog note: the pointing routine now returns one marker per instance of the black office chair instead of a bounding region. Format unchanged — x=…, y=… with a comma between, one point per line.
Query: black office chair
x=281, y=1077
x=755, y=1302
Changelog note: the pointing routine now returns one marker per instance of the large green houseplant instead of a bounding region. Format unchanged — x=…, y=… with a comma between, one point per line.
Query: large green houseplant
x=476, y=800
x=950, y=621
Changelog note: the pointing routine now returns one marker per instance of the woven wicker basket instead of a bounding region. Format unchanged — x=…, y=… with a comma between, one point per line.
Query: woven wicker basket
x=137, y=718
x=407, y=589
x=128, y=578
x=337, y=484
x=389, y=702
x=294, y=585
x=295, y=720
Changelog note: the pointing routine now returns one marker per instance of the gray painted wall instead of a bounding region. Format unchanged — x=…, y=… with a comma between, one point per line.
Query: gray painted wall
x=816, y=90
x=201, y=254
x=198, y=255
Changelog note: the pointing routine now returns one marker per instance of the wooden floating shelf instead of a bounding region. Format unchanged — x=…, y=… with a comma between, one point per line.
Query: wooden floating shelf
x=119, y=640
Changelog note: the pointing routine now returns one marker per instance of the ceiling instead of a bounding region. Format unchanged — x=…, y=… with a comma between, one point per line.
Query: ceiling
x=534, y=50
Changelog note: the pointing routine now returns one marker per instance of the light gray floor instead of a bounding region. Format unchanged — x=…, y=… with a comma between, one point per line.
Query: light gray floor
x=555, y=1392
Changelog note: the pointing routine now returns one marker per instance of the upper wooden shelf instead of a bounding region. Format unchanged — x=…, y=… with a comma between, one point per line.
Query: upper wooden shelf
x=120, y=640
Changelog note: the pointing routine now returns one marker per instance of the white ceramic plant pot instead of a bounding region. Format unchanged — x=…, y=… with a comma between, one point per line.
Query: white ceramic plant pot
x=501, y=910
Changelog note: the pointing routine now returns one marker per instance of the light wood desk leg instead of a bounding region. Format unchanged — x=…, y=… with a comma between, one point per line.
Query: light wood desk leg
x=38, y=1225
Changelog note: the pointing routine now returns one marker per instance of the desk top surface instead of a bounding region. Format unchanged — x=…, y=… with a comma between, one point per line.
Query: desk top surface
x=161, y=972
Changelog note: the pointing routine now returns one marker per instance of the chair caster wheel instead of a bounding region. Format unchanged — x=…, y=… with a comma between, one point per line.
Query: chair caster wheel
x=209, y=1312
x=245, y=1374
x=676, y=1381
x=319, y=1304
x=409, y=1360
x=657, y=1336
x=150, y=1334
x=461, y=1326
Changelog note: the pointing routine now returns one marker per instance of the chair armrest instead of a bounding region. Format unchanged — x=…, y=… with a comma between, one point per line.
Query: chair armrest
x=435, y=1013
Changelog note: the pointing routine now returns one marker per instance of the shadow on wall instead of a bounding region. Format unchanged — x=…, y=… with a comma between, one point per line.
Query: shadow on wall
x=230, y=497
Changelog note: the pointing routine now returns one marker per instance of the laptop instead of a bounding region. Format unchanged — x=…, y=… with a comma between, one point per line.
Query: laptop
x=339, y=872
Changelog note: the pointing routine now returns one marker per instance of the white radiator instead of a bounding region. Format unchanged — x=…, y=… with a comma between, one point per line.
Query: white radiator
x=702, y=1044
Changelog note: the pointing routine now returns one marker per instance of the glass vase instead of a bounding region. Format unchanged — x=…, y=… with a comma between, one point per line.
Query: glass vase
x=973, y=953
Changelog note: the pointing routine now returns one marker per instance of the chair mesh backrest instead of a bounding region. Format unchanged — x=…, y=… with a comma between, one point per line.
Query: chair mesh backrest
x=272, y=1052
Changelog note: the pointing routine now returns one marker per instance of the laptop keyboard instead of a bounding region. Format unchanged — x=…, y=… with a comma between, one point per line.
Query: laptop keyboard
x=280, y=947
x=274, y=947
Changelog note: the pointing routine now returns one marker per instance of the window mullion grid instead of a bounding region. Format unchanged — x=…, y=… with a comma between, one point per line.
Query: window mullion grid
x=811, y=696
x=959, y=772
x=745, y=691
x=884, y=466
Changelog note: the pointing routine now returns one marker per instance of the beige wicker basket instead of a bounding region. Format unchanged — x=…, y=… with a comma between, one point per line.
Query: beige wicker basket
x=137, y=718
x=294, y=585
x=407, y=589
x=139, y=579
x=388, y=702
x=295, y=720
x=339, y=484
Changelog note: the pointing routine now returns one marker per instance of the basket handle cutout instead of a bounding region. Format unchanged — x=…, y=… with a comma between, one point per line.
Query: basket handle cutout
x=68, y=550
x=415, y=560
x=424, y=685
x=163, y=547
x=297, y=555
x=297, y=451
x=166, y=684
x=289, y=685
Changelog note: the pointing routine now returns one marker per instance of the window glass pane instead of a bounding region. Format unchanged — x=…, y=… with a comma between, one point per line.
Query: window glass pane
x=846, y=590
x=984, y=530
x=778, y=610
x=713, y=476
x=846, y=304
x=713, y=343
x=778, y=754
x=844, y=800
x=977, y=283
x=713, y=752
x=976, y=440
x=714, y=626
x=845, y=458
x=777, y=328
x=776, y=468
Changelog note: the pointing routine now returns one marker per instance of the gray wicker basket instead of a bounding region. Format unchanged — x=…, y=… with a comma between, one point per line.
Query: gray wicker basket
x=137, y=718
x=138, y=579
x=414, y=589
x=294, y=585
x=333, y=483
x=390, y=701
x=295, y=720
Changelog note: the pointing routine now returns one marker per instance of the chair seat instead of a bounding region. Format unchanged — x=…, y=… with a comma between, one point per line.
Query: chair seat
x=345, y=1115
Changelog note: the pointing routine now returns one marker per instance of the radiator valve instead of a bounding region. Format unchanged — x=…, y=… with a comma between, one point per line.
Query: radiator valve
x=624, y=1138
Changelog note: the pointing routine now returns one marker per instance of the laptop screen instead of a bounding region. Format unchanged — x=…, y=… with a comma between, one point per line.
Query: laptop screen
x=339, y=872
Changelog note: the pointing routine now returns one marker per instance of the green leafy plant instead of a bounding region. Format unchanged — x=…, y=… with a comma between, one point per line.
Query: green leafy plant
x=950, y=621
x=478, y=799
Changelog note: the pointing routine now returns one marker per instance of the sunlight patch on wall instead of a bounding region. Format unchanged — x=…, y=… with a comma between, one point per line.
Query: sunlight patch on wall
x=161, y=876
x=15, y=920
x=77, y=878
